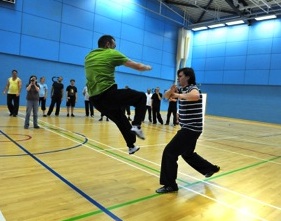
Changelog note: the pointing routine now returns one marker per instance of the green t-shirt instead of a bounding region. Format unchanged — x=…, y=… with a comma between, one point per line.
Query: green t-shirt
x=99, y=67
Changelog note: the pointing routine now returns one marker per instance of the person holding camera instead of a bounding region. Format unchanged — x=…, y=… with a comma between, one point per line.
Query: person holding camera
x=32, y=102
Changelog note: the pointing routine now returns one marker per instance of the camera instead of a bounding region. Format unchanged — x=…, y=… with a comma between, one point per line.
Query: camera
x=32, y=79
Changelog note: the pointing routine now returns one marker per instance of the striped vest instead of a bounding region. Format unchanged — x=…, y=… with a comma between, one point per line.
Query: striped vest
x=191, y=112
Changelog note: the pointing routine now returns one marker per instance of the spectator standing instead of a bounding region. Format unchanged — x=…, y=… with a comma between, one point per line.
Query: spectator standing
x=43, y=93
x=88, y=104
x=148, y=104
x=155, y=104
x=13, y=89
x=56, y=95
x=172, y=109
x=32, y=102
x=71, y=97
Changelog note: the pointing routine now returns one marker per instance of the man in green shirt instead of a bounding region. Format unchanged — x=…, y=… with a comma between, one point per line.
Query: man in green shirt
x=106, y=97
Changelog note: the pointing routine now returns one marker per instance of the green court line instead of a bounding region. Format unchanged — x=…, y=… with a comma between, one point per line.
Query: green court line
x=86, y=215
x=186, y=184
x=66, y=133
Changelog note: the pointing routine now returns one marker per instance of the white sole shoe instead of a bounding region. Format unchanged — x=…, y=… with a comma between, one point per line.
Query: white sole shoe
x=132, y=150
x=138, y=132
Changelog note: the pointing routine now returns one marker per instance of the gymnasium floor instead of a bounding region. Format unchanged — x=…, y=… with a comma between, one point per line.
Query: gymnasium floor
x=78, y=168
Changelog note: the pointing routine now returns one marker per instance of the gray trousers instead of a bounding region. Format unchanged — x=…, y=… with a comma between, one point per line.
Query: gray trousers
x=31, y=105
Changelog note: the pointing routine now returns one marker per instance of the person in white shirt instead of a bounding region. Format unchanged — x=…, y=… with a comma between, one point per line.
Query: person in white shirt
x=43, y=95
x=148, y=104
x=88, y=104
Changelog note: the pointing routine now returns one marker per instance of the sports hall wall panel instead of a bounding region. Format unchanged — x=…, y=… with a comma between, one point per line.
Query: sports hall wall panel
x=6, y=46
x=75, y=36
x=41, y=27
x=250, y=102
x=242, y=80
x=51, y=38
x=83, y=18
x=43, y=9
x=38, y=47
x=101, y=25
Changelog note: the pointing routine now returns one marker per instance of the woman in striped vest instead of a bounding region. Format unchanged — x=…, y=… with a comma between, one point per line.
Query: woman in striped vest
x=184, y=142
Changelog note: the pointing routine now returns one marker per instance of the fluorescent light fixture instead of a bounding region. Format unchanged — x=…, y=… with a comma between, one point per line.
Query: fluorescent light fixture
x=199, y=28
x=216, y=25
x=265, y=17
x=235, y=22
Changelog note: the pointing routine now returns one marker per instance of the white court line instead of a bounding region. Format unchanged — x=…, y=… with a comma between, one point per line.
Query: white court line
x=51, y=125
x=237, y=210
x=182, y=186
x=2, y=217
x=206, y=182
x=233, y=192
x=244, y=155
x=239, y=137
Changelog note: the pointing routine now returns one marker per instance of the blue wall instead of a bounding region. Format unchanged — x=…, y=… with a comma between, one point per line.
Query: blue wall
x=239, y=68
x=247, y=55
x=51, y=38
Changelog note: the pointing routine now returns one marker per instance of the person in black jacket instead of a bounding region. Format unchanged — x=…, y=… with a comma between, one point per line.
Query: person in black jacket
x=56, y=95
x=172, y=109
x=155, y=106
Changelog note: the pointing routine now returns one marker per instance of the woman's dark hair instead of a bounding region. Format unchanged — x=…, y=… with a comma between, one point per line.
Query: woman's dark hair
x=189, y=72
x=32, y=77
x=104, y=39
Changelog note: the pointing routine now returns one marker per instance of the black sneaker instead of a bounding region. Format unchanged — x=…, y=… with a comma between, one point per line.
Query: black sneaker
x=167, y=189
x=72, y=115
x=211, y=173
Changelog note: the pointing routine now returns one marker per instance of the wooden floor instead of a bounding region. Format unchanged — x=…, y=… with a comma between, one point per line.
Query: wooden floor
x=78, y=168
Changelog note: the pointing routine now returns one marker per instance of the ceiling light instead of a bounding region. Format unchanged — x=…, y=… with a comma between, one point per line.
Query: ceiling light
x=199, y=28
x=235, y=22
x=216, y=25
x=265, y=17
